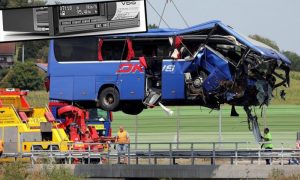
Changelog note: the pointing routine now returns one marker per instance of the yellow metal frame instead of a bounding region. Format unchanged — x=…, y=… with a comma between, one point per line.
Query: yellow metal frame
x=9, y=118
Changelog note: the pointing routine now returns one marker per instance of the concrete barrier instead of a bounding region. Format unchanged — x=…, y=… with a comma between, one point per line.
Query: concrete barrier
x=181, y=171
x=117, y=171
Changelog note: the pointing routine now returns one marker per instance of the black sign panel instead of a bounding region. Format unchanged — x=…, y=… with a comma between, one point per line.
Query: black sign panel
x=78, y=10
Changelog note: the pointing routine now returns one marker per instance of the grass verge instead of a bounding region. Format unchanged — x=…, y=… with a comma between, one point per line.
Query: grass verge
x=23, y=171
x=278, y=174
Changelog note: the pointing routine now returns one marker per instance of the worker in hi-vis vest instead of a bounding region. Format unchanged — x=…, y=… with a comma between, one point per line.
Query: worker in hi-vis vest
x=122, y=141
x=267, y=138
x=1, y=147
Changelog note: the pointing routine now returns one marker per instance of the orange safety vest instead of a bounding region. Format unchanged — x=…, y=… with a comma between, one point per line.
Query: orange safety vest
x=1, y=145
x=122, y=137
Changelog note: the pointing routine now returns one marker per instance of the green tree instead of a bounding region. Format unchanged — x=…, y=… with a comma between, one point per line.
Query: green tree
x=23, y=3
x=35, y=50
x=266, y=41
x=42, y=54
x=25, y=76
x=3, y=4
x=3, y=73
x=152, y=26
x=295, y=59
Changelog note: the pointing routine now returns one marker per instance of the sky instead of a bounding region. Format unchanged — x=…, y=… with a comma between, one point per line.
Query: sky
x=278, y=20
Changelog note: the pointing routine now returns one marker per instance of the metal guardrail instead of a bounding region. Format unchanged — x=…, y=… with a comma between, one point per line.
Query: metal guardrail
x=148, y=154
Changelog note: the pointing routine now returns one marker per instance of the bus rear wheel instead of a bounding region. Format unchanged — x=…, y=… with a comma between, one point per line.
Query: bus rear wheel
x=109, y=99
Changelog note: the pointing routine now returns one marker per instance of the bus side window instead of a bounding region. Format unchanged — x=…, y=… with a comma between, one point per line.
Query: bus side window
x=163, y=49
x=151, y=48
x=114, y=50
x=138, y=50
x=190, y=47
x=76, y=49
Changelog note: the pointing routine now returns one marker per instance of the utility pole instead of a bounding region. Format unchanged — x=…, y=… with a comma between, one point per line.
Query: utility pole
x=220, y=124
x=177, y=127
x=136, y=131
x=23, y=53
x=264, y=115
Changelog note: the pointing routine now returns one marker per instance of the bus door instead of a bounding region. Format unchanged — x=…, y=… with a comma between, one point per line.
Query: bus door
x=153, y=51
x=173, y=84
x=153, y=80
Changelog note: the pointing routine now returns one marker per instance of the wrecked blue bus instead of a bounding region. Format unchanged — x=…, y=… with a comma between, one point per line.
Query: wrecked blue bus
x=207, y=64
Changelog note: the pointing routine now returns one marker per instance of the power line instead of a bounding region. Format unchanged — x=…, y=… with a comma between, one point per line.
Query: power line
x=180, y=14
x=162, y=14
x=158, y=14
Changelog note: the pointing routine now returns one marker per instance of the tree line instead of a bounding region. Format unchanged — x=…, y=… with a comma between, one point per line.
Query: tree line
x=294, y=57
x=20, y=3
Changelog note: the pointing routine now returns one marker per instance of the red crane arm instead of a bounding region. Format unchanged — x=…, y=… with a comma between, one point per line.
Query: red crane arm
x=73, y=115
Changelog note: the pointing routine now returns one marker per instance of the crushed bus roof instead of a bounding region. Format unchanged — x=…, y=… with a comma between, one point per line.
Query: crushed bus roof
x=205, y=28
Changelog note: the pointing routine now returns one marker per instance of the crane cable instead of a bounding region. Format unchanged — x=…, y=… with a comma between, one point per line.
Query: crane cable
x=162, y=19
x=162, y=14
x=179, y=13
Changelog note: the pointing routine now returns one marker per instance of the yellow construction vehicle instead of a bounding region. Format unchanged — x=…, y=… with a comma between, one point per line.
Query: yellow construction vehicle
x=23, y=128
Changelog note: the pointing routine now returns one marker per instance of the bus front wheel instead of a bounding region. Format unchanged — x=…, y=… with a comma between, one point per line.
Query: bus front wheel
x=109, y=99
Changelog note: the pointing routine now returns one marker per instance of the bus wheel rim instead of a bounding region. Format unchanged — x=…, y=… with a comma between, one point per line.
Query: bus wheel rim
x=109, y=99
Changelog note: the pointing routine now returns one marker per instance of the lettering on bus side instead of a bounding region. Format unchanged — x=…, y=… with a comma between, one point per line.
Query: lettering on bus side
x=129, y=68
x=168, y=68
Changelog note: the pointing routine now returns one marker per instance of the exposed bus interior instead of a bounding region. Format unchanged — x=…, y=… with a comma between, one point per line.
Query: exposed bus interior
x=153, y=74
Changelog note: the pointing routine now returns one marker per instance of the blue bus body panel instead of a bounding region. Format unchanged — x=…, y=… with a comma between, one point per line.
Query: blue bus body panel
x=61, y=88
x=82, y=81
x=169, y=32
x=217, y=62
x=105, y=80
x=132, y=86
x=218, y=69
x=107, y=125
x=84, y=87
x=173, y=86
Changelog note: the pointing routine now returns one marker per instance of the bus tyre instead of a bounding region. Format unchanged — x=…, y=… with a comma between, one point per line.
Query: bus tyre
x=109, y=99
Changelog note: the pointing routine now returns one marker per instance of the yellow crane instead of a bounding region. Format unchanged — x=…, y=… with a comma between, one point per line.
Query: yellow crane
x=23, y=128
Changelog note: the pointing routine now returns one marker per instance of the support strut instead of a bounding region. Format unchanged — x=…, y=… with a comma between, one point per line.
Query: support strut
x=253, y=124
